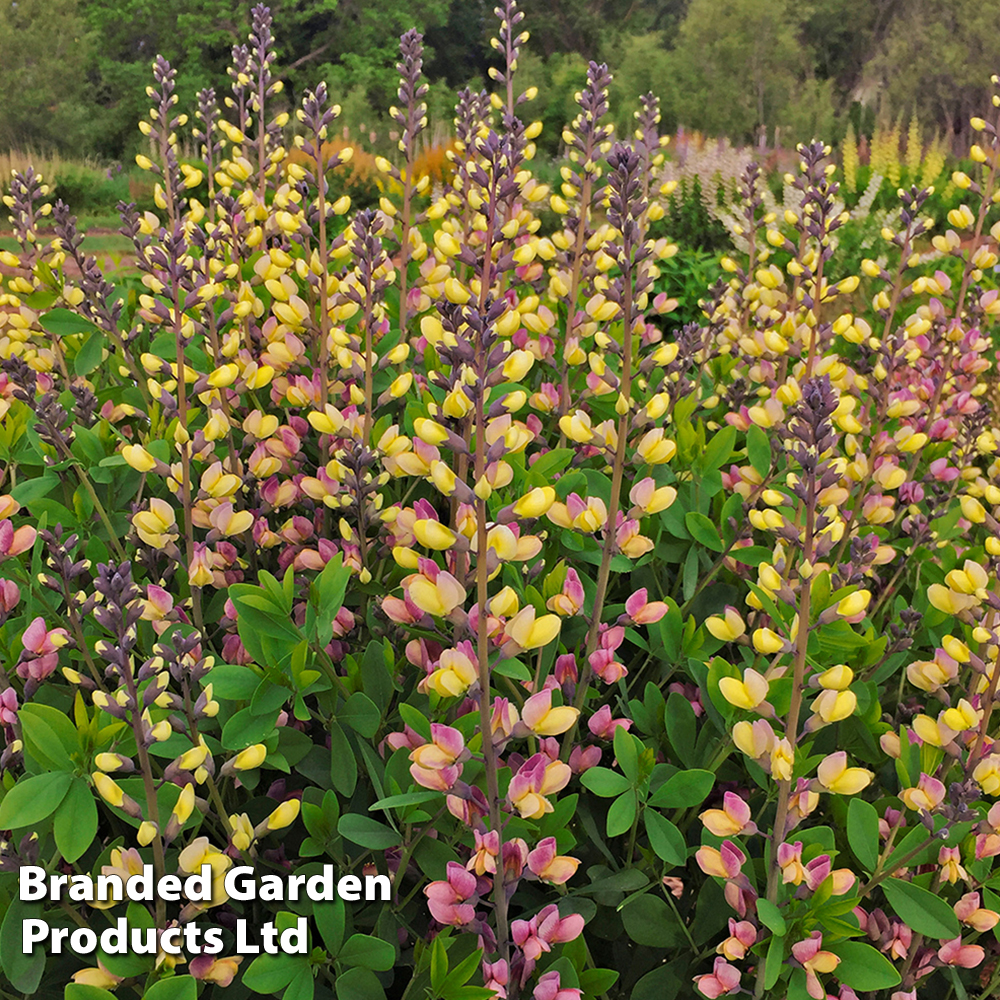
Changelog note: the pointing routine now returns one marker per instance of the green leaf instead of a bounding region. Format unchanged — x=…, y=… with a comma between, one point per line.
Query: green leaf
x=621, y=815
x=245, y=729
x=49, y=736
x=626, y=753
x=271, y=973
x=597, y=981
x=358, y=984
x=774, y=961
x=684, y=789
x=703, y=530
x=862, y=832
x=923, y=911
x=343, y=764
x=75, y=824
x=65, y=323
x=604, y=782
x=863, y=967
x=514, y=669
x=174, y=988
x=302, y=987
x=232, y=682
x=330, y=587
x=649, y=921
x=90, y=355
x=758, y=450
x=665, y=839
x=368, y=952
x=718, y=450
x=80, y=991
x=546, y=466
x=770, y=917
x=361, y=714
x=405, y=799
x=330, y=918
x=680, y=722
x=34, y=488
x=367, y=832
x=23, y=971
x=33, y=799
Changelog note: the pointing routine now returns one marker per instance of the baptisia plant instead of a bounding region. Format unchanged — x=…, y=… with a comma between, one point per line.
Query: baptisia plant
x=423, y=542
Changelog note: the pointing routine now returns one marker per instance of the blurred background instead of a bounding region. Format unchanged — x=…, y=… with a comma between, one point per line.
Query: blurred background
x=890, y=83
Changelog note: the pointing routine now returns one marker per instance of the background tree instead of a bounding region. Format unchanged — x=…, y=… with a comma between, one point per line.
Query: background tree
x=737, y=66
x=43, y=46
x=937, y=59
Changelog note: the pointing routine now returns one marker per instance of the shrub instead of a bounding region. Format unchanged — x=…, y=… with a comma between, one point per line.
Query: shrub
x=412, y=543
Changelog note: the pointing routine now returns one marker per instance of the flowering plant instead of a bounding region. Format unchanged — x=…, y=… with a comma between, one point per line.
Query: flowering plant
x=423, y=543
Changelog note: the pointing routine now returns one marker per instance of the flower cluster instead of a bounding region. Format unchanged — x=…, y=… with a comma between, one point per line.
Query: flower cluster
x=423, y=541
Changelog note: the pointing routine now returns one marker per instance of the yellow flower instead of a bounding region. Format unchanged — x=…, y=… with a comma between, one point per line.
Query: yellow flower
x=138, y=458
x=726, y=627
x=529, y=633
x=284, y=815
x=433, y=534
x=767, y=641
x=782, y=760
x=854, y=603
x=185, y=805
x=748, y=693
x=835, y=776
x=987, y=773
x=156, y=525
x=961, y=717
x=654, y=448
x=833, y=706
x=242, y=836
x=535, y=503
x=247, y=760
x=108, y=789
x=837, y=678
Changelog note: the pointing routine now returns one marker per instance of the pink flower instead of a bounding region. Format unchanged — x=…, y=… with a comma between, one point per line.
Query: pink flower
x=438, y=764
x=814, y=960
x=603, y=726
x=584, y=758
x=721, y=981
x=8, y=706
x=503, y=720
x=548, y=988
x=214, y=969
x=742, y=937
x=643, y=611
x=569, y=601
x=453, y=901
x=549, y=866
x=732, y=820
x=604, y=664
x=41, y=650
x=536, y=936
x=537, y=778
x=13, y=543
x=968, y=910
x=724, y=863
x=10, y=595
x=408, y=738
x=496, y=977
x=968, y=956
x=485, y=853
x=539, y=717
x=447, y=747
x=790, y=862
x=565, y=671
